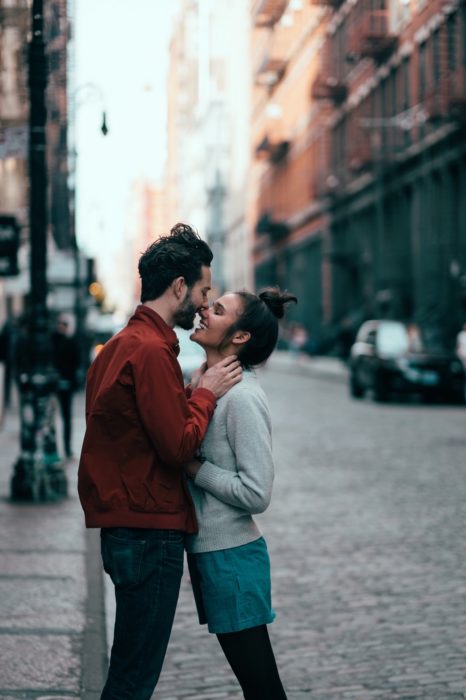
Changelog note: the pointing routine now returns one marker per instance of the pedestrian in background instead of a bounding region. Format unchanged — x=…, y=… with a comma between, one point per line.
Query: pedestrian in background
x=230, y=481
x=461, y=345
x=142, y=427
x=65, y=357
x=8, y=346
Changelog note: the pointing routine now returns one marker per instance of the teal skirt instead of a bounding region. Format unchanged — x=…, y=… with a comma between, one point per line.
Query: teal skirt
x=232, y=587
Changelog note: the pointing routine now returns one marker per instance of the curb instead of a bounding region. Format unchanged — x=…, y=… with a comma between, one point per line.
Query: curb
x=326, y=368
x=94, y=659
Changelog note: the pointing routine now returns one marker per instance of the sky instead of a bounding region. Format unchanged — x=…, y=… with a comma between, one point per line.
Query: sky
x=121, y=59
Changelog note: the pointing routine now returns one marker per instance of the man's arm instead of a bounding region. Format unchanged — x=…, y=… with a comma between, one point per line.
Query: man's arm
x=176, y=425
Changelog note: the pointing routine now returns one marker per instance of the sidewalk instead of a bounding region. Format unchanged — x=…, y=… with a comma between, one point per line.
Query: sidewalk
x=51, y=632
x=317, y=366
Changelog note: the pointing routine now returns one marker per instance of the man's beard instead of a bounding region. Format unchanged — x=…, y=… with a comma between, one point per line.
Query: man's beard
x=184, y=315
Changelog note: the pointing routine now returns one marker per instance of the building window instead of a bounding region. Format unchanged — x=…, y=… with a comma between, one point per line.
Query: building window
x=436, y=56
x=393, y=79
x=422, y=69
x=339, y=152
x=384, y=112
x=405, y=91
x=463, y=31
x=451, y=43
x=405, y=68
x=403, y=14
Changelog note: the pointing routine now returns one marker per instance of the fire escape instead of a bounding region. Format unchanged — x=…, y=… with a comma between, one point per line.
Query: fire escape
x=329, y=83
x=266, y=13
x=370, y=34
x=271, y=68
x=333, y=4
x=272, y=64
x=445, y=98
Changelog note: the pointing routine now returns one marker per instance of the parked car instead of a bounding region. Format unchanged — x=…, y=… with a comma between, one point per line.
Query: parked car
x=392, y=357
x=191, y=354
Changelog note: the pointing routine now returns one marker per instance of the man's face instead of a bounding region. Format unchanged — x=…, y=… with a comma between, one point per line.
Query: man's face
x=195, y=301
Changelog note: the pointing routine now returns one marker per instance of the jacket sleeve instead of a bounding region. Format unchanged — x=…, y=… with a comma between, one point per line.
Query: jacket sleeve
x=175, y=424
x=249, y=434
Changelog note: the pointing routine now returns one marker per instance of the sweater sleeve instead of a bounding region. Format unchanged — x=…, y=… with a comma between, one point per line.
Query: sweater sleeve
x=249, y=434
x=175, y=424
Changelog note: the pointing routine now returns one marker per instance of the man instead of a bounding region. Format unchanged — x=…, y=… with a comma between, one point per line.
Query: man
x=142, y=427
x=65, y=355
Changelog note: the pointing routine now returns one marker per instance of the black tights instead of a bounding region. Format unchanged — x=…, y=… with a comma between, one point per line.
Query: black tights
x=251, y=657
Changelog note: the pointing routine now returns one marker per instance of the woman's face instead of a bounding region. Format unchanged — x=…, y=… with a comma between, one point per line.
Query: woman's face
x=216, y=321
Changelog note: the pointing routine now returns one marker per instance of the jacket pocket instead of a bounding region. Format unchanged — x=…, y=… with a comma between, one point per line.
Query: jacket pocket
x=156, y=496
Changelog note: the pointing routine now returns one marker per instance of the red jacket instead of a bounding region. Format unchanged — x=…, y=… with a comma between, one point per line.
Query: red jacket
x=140, y=430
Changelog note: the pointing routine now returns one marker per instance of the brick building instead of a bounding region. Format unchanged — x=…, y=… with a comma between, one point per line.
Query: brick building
x=56, y=34
x=15, y=16
x=14, y=26
x=359, y=206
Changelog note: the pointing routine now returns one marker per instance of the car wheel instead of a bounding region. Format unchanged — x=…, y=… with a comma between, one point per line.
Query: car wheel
x=356, y=390
x=381, y=392
x=457, y=397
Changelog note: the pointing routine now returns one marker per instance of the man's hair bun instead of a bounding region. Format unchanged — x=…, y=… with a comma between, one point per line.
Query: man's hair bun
x=276, y=300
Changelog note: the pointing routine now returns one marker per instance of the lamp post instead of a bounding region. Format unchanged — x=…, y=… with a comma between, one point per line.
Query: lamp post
x=81, y=95
x=38, y=472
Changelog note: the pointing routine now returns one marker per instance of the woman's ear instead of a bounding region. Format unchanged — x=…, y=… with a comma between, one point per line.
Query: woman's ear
x=178, y=284
x=241, y=337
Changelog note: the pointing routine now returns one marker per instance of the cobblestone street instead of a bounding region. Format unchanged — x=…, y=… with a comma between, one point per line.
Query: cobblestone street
x=366, y=535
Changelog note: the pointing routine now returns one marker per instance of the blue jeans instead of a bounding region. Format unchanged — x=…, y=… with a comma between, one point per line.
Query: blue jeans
x=146, y=568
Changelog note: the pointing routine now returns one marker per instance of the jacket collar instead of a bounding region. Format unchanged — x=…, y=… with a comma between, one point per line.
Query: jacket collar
x=150, y=317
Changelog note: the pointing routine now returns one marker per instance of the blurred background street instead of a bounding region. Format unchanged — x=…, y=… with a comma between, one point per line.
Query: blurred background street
x=318, y=145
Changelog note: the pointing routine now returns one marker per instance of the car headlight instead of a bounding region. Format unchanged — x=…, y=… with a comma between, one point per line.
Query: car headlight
x=402, y=363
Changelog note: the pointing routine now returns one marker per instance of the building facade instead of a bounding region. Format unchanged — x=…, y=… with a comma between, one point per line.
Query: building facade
x=15, y=25
x=57, y=32
x=366, y=164
x=208, y=122
x=289, y=143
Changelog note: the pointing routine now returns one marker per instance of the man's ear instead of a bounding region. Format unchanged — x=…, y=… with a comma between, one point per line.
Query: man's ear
x=178, y=285
x=241, y=337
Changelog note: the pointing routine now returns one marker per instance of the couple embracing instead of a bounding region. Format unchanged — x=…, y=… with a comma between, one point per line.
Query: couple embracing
x=166, y=468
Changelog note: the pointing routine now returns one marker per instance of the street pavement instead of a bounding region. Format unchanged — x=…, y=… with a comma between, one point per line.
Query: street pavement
x=366, y=537
x=52, y=642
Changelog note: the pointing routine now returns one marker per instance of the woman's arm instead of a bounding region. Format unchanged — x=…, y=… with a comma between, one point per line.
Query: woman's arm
x=249, y=434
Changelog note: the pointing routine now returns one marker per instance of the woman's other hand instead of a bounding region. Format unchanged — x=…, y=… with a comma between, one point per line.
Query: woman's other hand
x=192, y=468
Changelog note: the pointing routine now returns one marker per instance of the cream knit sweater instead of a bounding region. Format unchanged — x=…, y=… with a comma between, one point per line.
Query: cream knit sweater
x=236, y=478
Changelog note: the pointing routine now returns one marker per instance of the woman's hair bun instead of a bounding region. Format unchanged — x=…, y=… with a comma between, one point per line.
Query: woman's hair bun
x=275, y=299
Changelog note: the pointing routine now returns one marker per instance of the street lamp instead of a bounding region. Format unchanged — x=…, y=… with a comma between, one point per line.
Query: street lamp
x=81, y=95
x=38, y=472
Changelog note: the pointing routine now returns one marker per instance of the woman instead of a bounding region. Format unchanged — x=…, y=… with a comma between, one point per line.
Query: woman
x=230, y=481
